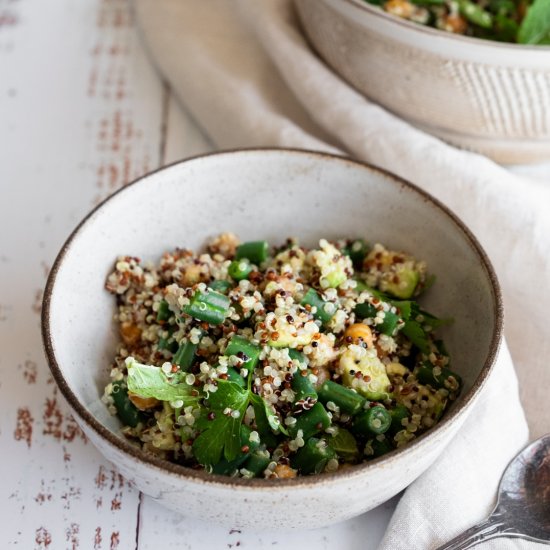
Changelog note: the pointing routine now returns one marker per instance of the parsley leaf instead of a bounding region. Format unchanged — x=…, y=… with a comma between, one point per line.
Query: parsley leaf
x=208, y=447
x=416, y=334
x=344, y=444
x=223, y=433
x=266, y=418
x=432, y=321
x=535, y=27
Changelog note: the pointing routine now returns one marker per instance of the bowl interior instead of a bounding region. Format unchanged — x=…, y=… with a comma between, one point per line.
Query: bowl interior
x=260, y=194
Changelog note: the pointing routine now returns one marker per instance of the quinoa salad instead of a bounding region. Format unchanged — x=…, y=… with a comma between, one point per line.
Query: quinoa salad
x=520, y=21
x=250, y=361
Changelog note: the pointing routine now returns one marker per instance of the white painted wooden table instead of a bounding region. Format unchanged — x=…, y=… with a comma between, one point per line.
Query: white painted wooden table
x=82, y=112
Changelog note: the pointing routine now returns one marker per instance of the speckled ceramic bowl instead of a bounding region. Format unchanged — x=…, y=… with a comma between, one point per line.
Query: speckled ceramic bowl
x=264, y=194
x=487, y=96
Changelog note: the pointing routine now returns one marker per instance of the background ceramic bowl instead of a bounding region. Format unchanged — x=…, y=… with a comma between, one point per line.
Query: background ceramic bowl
x=486, y=96
x=264, y=194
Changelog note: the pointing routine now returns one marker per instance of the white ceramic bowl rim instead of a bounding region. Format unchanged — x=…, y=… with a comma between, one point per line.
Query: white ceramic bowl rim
x=257, y=484
x=379, y=12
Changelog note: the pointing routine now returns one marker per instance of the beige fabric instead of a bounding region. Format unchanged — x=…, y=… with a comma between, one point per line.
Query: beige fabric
x=246, y=73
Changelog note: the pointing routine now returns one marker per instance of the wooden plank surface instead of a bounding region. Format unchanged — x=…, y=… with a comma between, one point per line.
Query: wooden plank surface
x=80, y=116
x=82, y=112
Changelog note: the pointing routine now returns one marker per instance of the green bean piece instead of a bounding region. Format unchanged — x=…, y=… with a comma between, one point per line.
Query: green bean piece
x=245, y=350
x=163, y=312
x=389, y=324
x=311, y=422
x=506, y=29
x=210, y=307
x=361, y=285
x=324, y=310
x=428, y=2
x=240, y=269
x=345, y=445
x=373, y=421
x=270, y=440
x=128, y=413
x=313, y=457
x=369, y=311
x=255, y=251
x=398, y=413
x=227, y=467
x=220, y=286
x=356, y=250
x=365, y=311
x=257, y=462
x=169, y=344
x=185, y=356
x=303, y=387
x=475, y=14
x=234, y=376
x=346, y=399
x=296, y=355
x=439, y=377
x=502, y=7
x=380, y=447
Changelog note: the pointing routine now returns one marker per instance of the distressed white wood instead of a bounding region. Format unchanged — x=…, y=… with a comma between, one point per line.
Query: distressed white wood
x=81, y=113
x=180, y=533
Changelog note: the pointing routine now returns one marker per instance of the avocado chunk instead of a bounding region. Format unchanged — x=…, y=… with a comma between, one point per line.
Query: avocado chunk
x=334, y=267
x=395, y=273
x=287, y=340
x=403, y=282
x=373, y=382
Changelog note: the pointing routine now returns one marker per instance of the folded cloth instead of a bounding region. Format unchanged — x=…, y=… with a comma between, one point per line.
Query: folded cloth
x=246, y=73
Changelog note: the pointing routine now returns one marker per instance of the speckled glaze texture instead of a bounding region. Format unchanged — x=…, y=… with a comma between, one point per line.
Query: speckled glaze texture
x=264, y=194
x=481, y=95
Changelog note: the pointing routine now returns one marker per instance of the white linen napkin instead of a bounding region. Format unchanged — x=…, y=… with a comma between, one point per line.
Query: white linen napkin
x=245, y=72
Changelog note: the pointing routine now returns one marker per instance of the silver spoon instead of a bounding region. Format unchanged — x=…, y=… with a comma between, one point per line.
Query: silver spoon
x=523, y=505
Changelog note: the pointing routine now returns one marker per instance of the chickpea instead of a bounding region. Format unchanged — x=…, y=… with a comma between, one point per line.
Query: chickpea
x=282, y=471
x=360, y=331
x=130, y=333
x=142, y=403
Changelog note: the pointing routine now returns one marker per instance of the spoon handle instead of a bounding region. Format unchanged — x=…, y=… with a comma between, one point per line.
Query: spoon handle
x=487, y=529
